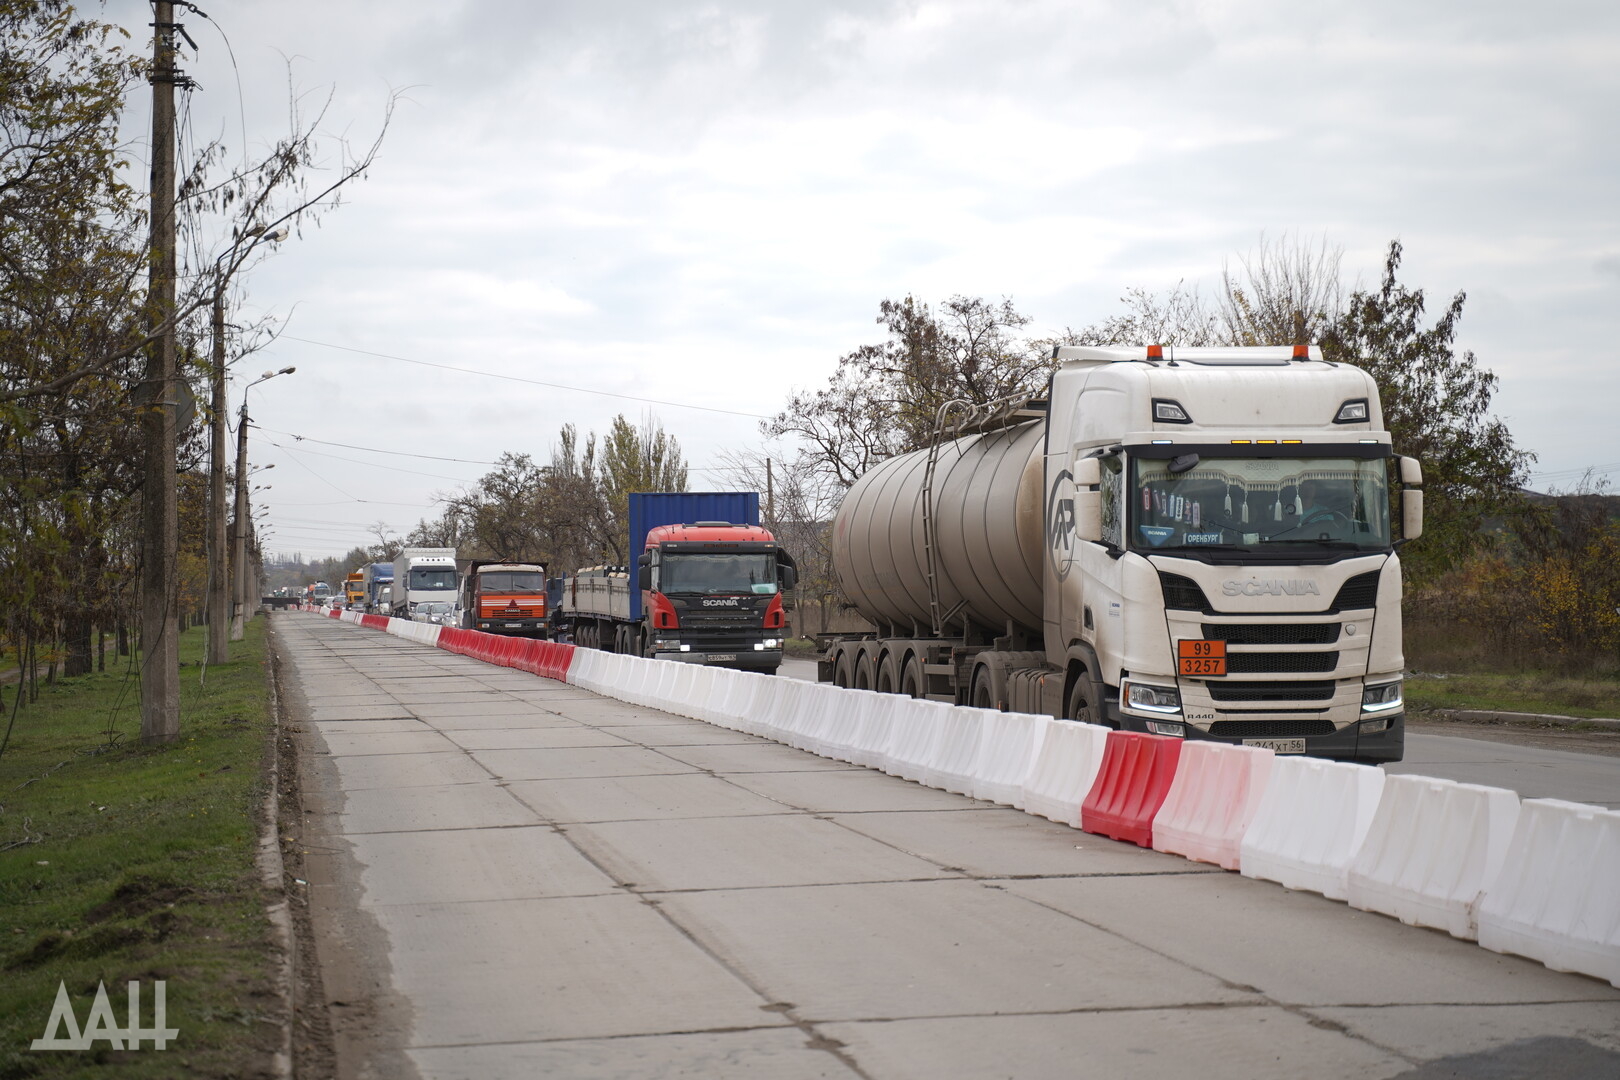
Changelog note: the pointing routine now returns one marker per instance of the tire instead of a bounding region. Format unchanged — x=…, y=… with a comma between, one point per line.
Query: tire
x=982, y=698
x=887, y=674
x=1085, y=701
x=843, y=676
x=912, y=683
x=864, y=674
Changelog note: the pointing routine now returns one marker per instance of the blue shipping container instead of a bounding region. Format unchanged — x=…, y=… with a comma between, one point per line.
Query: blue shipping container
x=650, y=509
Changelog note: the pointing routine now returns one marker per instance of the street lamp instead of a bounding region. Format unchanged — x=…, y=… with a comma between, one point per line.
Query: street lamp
x=239, y=613
x=217, y=603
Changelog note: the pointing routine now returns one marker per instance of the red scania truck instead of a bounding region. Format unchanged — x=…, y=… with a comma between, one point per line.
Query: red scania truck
x=707, y=589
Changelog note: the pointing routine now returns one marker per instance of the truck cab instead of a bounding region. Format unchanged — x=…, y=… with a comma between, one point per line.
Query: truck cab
x=1221, y=551
x=505, y=598
x=711, y=592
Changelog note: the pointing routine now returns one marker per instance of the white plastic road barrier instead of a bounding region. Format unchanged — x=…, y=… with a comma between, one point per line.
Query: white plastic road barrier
x=843, y=727
x=874, y=720
x=1006, y=754
x=796, y=715
x=768, y=708
x=916, y=728
x=1310, y=824
x=1557, y=898
x=814, y=719
x=586, y=668
x=710, y=692
x=1065, y=767
x=739, y=694
x=956, y=750
x=1434, y=847
x=1212, y=800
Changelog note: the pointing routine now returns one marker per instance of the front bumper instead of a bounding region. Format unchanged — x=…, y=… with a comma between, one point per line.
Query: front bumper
x=515, y=625
x=1348, y=743
x=744, y=659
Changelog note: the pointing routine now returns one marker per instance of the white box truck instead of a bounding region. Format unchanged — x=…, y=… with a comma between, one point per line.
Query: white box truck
x=1190, y=542
x=422, y=575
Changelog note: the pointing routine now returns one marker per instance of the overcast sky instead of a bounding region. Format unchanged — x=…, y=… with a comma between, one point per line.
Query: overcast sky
x=703, y=203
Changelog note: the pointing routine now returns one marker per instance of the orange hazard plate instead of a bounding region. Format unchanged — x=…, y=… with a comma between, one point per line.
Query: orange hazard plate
x=1201, y=658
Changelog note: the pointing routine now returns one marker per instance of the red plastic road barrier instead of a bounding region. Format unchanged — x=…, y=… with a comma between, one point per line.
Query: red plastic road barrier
x=1131, y=785
x=334, y=613
x=376, y=622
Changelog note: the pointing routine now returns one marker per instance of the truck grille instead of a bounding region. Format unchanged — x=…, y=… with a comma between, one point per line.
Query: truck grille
x=1273, y=633
x=1359, y=592
x=1270, y=691
x=1182, y=593
x=1281, y=663
x=1271, y=729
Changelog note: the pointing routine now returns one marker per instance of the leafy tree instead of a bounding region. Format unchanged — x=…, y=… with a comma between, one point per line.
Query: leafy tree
x=885, y=398
x=635, y=459
x=1436, y=405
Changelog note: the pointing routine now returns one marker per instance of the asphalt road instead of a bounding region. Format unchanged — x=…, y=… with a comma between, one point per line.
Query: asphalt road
x=510, y=877
x=1534, y=772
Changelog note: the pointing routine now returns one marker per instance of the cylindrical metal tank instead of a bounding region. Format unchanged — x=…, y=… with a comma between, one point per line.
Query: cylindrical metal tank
x=989, y=529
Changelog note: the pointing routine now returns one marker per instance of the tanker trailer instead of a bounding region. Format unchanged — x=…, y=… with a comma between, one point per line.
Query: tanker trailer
x=1195, y=543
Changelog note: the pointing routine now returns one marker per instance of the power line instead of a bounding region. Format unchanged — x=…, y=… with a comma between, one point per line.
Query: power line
x=535, y=382
x=369, y=464
x=375, y=450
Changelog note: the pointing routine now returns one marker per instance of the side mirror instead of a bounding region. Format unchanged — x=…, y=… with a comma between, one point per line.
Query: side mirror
x=644, y=576
x=1087, y=472
x=1088, y=516
x=1411, y=472
x=1411, y=512
x=790, y=578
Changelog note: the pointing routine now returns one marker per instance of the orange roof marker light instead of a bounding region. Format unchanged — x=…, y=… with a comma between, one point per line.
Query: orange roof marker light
x=1302, y=352
x=1155, y=352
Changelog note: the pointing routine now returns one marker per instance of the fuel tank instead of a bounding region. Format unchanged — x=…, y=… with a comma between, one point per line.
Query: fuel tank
x=989, y=528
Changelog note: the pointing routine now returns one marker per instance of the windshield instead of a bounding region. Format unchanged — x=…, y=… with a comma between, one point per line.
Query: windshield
x=1260, y=504
x=512, y=581
x=718, y=572
x=432, y=578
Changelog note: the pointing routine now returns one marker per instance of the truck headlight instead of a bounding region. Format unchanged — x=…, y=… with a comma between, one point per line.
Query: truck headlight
x=770, y=643
x=1377, y=699
x=1159, y=699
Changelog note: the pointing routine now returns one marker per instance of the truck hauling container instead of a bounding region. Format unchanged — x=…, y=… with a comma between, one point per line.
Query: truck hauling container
x=379, y=587
x=706, y=588
x=422, y=575
x=505, y=598
x=1191, y=542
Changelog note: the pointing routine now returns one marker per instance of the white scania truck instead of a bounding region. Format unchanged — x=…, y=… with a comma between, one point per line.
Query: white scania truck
x=422, y=575
x=1190, y=542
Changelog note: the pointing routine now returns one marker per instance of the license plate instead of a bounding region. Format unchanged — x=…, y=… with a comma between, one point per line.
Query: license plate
x=719, y=658
x=514, y=626
x=1281, y=746
x=1202, y=659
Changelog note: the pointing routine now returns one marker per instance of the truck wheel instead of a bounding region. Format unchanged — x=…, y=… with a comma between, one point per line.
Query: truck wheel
x=982, y=698
x=864, y=679
x=841, y=670
x=1084, y=706
x=911, y=680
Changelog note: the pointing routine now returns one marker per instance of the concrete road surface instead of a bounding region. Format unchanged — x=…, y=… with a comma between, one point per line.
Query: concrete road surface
x=514, y=878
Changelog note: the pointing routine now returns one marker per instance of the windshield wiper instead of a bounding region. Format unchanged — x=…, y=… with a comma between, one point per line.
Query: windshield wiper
x=1335, y=544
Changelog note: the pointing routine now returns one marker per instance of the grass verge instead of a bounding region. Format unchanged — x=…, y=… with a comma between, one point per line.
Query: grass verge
x=126, y=862
x=1525, y=692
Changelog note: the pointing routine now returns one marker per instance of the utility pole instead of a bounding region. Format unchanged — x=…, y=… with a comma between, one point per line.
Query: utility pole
x=241, y=526
x=219, y=611
x=770, y=494
x=160, y=522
